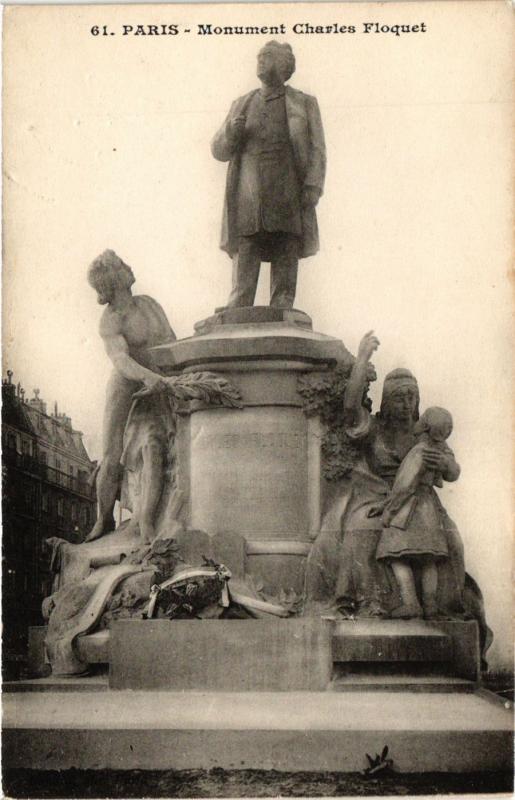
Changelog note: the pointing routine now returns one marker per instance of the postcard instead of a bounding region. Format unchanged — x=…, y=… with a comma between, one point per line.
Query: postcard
x=266, y=198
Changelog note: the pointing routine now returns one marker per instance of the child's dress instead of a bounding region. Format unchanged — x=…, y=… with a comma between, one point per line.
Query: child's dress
x=413, y=516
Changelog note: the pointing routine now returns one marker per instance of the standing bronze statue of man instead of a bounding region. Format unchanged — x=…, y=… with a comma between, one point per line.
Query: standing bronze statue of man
x=274, y=142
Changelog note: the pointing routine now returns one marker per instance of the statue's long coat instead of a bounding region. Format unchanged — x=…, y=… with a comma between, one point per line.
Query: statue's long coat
x=307, y=140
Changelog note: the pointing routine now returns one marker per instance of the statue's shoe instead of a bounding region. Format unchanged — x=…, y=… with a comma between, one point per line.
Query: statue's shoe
x=407, y=611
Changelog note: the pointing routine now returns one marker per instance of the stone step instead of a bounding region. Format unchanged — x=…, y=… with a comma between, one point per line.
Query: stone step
x=99, y=682
x=85, y=683
x=401, y=683
x=369, y=680
x=397, y=676
x=285, y=731
x=390, y=641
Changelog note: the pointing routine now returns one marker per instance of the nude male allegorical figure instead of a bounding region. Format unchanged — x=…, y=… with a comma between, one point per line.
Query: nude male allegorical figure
x=129, y=326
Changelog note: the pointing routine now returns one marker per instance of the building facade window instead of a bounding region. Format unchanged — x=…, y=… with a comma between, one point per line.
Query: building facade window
x=10, y=580
x=43, y=498
x=28, y=497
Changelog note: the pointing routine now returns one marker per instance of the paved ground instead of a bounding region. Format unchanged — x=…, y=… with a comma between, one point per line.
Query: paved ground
x=242, y=783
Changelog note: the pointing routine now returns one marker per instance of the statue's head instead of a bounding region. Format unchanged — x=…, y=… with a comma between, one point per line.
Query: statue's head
x=275, y=61
x=400, y=400
x=107, y=273
x=437, y=422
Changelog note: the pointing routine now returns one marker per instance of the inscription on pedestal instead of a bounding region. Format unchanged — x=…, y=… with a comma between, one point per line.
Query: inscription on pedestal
x=276, y=439
x=249, y=472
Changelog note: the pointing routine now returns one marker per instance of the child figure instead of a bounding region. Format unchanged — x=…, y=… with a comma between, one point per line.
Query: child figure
x=413, y=528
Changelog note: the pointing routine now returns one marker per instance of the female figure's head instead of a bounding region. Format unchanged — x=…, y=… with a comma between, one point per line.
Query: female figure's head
x=400, y=400
x=436, y=422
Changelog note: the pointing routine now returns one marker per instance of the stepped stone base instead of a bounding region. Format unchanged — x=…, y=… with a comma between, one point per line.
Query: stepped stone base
x=307, y=731
x=271, y=654
x=408, y=685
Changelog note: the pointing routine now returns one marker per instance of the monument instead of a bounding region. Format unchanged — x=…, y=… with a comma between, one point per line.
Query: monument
x=252, y=466
x=282, y=537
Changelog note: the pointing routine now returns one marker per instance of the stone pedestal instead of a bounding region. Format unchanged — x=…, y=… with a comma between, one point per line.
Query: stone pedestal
x=255, y=471
x=225, y=655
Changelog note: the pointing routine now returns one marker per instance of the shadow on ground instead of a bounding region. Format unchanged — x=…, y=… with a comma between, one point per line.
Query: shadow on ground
x=74, y=783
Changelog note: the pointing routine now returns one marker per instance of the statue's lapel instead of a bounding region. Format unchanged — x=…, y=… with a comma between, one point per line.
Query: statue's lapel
x=294, y=104
x=297, y=125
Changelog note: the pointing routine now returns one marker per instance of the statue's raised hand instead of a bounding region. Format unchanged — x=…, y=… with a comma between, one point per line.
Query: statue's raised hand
x=367, y=346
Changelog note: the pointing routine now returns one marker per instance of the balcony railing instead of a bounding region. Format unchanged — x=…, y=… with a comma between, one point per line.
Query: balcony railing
x=70, y=482
x=20, y=460
x=49, y=474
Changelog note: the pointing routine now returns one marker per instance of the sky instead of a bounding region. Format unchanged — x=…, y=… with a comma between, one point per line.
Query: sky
x=106, y=144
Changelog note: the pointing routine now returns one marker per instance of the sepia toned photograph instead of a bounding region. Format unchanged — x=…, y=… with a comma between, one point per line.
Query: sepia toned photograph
x=257, y=400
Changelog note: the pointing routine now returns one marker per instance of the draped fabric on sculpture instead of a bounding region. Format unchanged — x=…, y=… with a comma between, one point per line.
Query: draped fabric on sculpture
x=348, y=574
x=363, y=583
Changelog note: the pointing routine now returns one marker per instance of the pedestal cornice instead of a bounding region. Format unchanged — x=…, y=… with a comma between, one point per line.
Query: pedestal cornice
x=253, y=334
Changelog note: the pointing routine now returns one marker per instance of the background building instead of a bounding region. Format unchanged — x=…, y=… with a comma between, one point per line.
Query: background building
x=47, y=492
